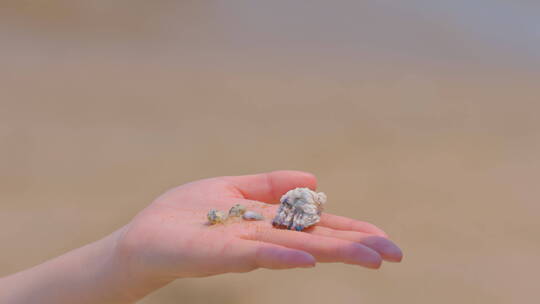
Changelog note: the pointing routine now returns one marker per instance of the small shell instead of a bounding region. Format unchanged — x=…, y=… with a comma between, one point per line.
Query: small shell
x=237, y=210
x=252, y=216
x=299, y=209
x=215, y=216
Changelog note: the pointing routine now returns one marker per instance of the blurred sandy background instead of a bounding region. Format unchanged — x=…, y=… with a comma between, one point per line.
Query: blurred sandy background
x=420, y=117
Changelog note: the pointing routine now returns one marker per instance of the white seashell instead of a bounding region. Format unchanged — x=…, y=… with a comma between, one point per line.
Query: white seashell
x=237, y=210
x=299, y=209
x=215, y=216
x=252, y=216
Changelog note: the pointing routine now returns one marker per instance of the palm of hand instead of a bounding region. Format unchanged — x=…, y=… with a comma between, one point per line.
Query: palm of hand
x=171, y=237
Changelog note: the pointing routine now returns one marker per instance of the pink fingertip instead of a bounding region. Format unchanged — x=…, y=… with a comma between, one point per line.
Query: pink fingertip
x=282, y=258
x=365, y=256
x=386, y=248
x=297, y=258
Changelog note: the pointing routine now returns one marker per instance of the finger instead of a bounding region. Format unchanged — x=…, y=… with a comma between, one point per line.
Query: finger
x=271, y=256
x=324, y=249
x=386, y=248
x=327, y=220
x=269, y=187
x=344, y=223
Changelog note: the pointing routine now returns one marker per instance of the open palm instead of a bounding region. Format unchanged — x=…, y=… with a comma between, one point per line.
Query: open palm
x=171, y=237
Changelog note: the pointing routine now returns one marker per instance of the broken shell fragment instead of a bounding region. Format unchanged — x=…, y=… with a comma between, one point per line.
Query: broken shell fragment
x=299, y=209
x=252, y=216
x=237, y=210
x=215, y=216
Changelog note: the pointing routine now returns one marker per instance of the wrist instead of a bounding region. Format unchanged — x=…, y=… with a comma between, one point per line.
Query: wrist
x=127, y=280
x=96, y=273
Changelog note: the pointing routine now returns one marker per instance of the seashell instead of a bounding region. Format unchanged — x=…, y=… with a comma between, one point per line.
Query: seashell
x=252, y=216
x=299, y=209
x=215, y=216
x=237, y=210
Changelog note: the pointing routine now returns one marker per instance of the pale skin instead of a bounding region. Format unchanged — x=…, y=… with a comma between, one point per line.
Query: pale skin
x=172, y=239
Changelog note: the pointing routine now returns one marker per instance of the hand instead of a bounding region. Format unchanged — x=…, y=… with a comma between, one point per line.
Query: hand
x=172, y=239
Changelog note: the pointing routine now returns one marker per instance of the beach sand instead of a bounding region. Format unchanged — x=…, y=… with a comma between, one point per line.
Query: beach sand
x=411, y=122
